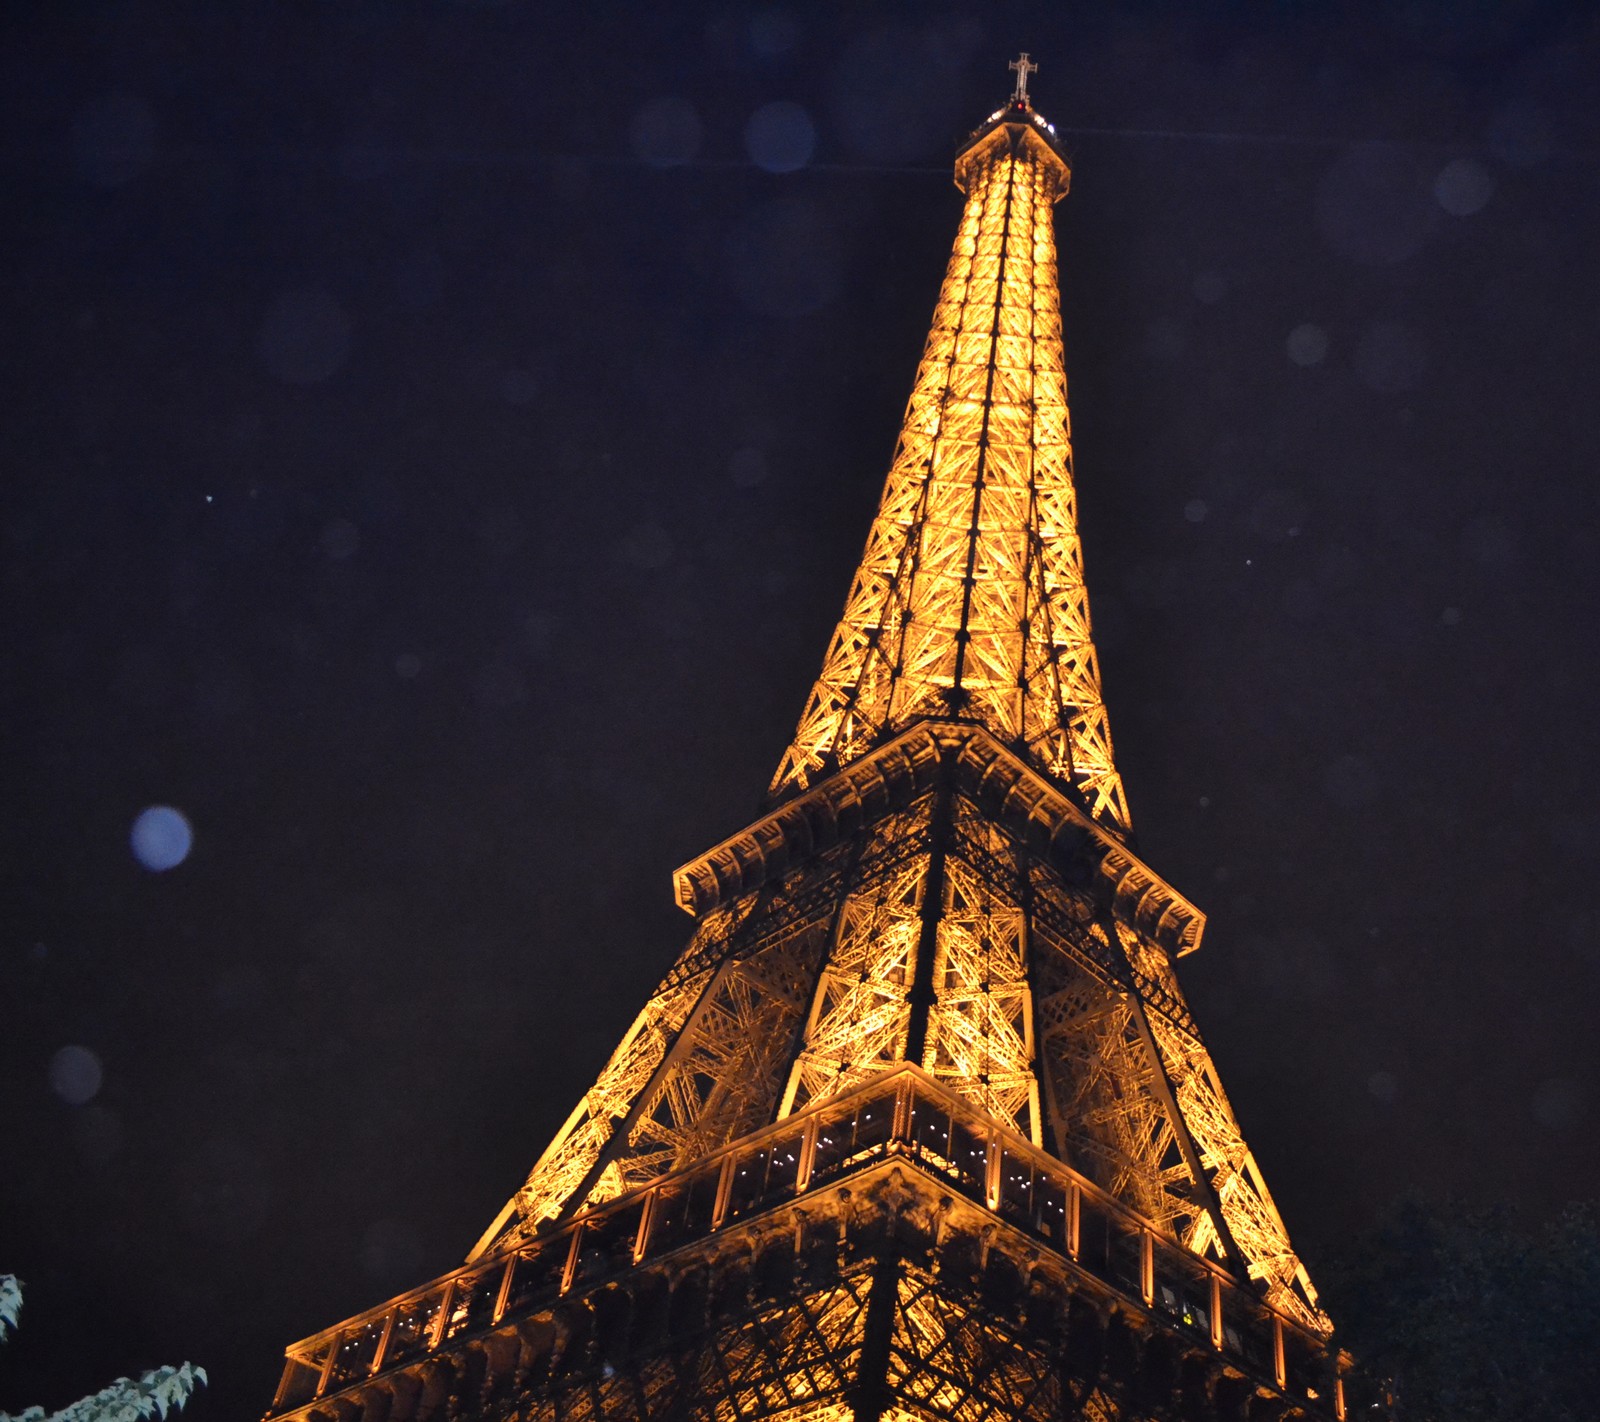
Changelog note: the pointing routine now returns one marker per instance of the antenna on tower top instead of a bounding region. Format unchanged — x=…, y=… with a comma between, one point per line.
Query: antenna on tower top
x=1021, y=67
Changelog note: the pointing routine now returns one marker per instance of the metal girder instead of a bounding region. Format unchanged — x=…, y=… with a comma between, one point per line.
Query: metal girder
x=1033, y=990
x=892, y=1293
x=970, y=598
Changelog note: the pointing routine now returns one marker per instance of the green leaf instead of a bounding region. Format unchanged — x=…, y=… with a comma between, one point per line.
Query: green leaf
x=10, y=1304
x=157, y=1392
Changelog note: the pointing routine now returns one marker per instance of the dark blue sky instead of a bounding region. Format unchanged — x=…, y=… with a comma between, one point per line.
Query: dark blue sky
x=437, y=443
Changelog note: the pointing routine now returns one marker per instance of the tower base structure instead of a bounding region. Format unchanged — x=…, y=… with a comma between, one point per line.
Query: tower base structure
x=889, y=1253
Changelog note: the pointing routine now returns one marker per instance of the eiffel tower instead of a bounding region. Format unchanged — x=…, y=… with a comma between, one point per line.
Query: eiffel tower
x=919, y=1124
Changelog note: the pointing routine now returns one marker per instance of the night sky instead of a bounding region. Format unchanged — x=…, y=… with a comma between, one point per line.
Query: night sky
x=437, y=441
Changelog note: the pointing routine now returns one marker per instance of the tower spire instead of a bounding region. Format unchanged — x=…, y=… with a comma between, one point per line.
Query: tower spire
x=969, y=603
x=1021, y=67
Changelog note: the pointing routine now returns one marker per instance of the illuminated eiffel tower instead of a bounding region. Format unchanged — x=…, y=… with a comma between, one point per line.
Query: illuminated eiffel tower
x=919, y=1124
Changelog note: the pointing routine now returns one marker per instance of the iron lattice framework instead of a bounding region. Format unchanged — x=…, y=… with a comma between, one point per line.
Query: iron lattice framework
x=919, y=1124
x=970, y=597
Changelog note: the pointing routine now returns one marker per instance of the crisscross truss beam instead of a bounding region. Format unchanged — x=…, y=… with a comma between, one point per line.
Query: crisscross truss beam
x=969, y=600
x=890, y=1253
x=1051, y=1002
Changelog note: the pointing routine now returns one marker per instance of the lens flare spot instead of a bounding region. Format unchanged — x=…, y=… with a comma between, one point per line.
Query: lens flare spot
x=76, y=1075
x=1307, y=344
x=161, y=838
x=780, y=137
x=1463, y=187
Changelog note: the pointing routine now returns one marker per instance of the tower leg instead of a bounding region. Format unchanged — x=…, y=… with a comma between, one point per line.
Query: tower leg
x=872, y=1382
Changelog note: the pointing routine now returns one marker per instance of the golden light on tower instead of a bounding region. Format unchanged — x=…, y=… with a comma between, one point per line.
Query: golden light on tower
x=970, y=599
x=919, y=1124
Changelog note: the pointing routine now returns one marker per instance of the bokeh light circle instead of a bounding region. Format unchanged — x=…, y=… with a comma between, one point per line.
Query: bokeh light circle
x=1307, y=344
x=1463, y=187
x=76, y=1075
x=780, y=137
x=161, y=838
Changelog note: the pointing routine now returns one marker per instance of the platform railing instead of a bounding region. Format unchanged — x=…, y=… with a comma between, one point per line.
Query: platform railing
x=902, y=1113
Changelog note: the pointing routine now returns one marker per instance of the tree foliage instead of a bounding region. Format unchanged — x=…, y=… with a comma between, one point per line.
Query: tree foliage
x=10, y=1304
x=151, y=1394
x=1473, y=1318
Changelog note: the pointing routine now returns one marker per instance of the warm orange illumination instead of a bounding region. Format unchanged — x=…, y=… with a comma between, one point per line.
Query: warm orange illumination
x=901, y=1141
x=968, y=612
x=970, y=598
x=922, y=1096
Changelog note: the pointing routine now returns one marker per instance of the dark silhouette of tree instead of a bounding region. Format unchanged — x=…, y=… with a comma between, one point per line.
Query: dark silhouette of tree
x=1471, y=1317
